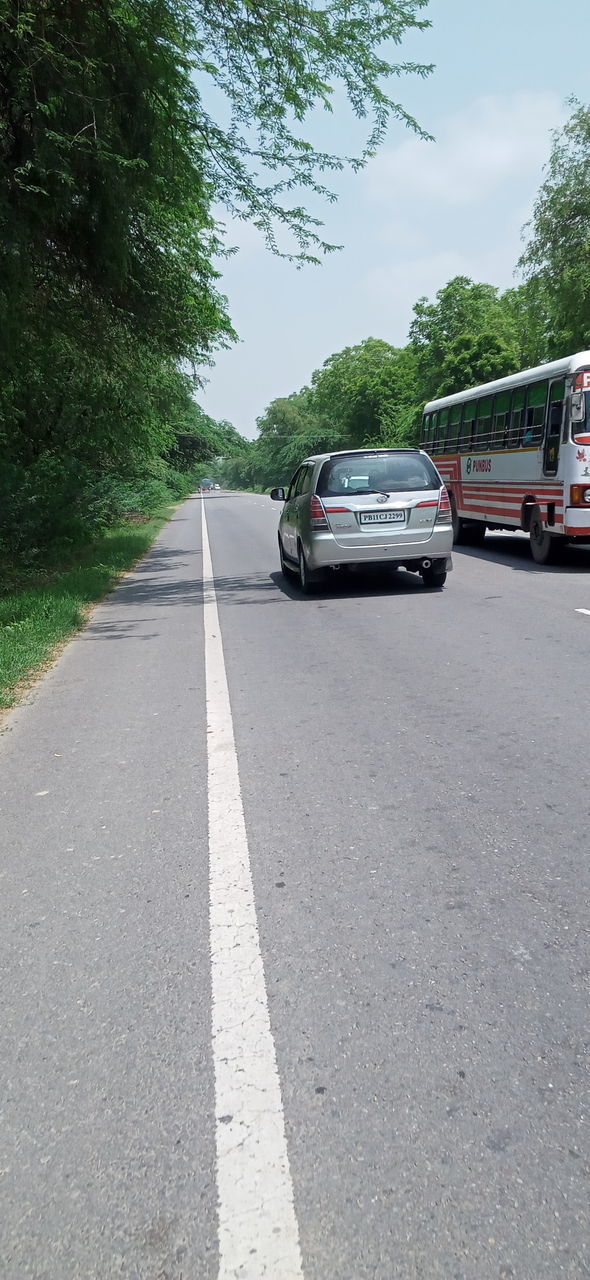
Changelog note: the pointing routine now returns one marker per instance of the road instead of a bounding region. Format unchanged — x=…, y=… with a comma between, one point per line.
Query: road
x=295, y=949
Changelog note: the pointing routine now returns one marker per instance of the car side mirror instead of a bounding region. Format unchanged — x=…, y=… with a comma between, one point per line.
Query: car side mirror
x=277, y=495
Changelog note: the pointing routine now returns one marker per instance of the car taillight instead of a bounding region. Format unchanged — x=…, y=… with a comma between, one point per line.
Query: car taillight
x=318, y=515
x=444, y=508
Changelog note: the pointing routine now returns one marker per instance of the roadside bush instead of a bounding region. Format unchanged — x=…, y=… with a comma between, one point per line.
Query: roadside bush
x=58, y=504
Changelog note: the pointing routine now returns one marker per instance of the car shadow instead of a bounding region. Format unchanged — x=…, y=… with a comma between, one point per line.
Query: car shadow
x=343, y=584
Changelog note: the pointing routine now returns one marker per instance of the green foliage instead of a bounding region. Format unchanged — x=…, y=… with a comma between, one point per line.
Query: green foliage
x=289, y=430
x=111, y=159
x=358, y=391
x=106, y=276
x=475, y=358
x=557, y=259
x=462, y=310
x=527, y=304
x=101, y=173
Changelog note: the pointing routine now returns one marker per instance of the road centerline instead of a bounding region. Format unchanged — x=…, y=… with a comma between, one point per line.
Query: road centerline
x=258, y=1233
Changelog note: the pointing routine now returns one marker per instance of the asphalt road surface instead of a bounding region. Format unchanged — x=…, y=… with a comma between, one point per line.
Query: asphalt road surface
x=295, y=941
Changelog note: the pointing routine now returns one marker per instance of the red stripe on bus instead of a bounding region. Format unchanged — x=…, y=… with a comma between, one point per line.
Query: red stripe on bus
x=514, y=489
x=492, y=512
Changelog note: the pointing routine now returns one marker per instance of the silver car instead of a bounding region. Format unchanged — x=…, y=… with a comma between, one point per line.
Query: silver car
x=365, y=507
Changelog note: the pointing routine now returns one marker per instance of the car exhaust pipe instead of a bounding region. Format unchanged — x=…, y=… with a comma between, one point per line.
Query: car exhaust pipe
x=426, y=564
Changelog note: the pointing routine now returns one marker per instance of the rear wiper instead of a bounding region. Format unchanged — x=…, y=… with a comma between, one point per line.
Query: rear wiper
x=357, y=491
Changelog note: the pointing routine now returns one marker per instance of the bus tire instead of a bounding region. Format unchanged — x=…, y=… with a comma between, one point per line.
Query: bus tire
x=545, y=548
x=474, y=534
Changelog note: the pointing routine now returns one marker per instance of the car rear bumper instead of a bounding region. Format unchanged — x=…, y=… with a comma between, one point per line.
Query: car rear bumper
x=323, y=551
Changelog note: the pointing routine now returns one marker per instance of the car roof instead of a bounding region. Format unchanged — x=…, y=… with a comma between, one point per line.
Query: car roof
x=355, y=453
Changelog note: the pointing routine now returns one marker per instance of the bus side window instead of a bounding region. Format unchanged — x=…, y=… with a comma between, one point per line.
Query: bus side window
x=484, y=422
x=556, y=399
x=535, y=414
x=467, y=427
x=443, y=419
x=501, y=420
x=432, y=432
x=516, y=417
x=454, y=428
x=428, y=428
x=554, y=419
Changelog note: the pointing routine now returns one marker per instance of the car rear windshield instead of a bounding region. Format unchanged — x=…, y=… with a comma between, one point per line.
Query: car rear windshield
x=381, y=473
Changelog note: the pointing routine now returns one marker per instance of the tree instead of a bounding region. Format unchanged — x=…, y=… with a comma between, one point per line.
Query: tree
x=355, y=391
x=462, y=309
x=557, y=258
x=101, y=173
x=112, y=157
x=106, y=247
x=289, y=431
x=274, y=62
x=528, y=306
x=473, y=359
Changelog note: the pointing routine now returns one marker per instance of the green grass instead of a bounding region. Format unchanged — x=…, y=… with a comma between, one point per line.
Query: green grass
x=36, y=618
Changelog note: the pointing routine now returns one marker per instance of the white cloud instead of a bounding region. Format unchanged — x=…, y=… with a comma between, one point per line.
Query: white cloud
x=495, y=141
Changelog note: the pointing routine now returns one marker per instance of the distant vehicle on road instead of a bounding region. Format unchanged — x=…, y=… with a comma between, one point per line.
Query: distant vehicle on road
x=217, y=486
x=515, y=454
x=206, y=485
x=364, y=507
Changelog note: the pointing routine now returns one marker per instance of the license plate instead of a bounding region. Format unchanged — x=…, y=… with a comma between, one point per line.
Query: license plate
x=382, y=517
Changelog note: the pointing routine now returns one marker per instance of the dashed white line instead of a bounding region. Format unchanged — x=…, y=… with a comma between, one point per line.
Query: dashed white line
x=582, y=611
x=258, y=1233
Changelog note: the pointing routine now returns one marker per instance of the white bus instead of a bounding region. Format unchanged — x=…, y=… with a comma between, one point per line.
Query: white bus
x=515, y=454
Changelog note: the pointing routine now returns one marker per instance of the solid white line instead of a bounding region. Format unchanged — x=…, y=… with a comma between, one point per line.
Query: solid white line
x=258, y=1234
x=582, y=610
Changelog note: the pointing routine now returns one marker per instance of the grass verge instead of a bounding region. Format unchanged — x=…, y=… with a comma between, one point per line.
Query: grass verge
x=37, y=620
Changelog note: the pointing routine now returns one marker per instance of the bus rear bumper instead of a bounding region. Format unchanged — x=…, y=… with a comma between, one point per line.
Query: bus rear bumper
x=576, y=522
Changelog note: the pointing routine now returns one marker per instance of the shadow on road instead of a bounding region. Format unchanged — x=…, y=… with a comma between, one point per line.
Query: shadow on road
x=274, y=588
x=158, y=582
x=514, y=551
x=154, y=584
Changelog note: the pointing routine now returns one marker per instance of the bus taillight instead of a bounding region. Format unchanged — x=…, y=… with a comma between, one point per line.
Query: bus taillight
x=579, y=495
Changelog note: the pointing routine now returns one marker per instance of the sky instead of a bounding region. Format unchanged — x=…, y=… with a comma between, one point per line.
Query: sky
x=420, y=212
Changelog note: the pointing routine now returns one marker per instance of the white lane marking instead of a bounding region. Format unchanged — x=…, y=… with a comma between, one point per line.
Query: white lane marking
x=258, y=1234
x=582, y=610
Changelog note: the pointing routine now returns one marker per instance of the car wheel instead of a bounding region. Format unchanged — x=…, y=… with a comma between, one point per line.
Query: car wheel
x=433, y=577
x=308, y=578
x=544, y=548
